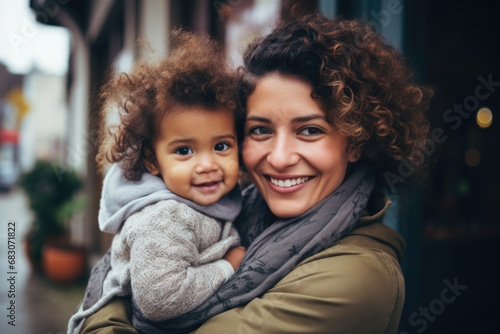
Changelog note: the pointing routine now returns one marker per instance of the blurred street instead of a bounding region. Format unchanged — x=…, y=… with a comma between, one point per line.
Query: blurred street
x=41, y=306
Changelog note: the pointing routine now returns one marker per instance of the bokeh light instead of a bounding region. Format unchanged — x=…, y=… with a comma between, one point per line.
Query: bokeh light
x=484, y=118
x=472, y=157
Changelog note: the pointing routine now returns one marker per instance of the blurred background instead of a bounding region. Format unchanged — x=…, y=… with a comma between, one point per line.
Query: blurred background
x=56, y=54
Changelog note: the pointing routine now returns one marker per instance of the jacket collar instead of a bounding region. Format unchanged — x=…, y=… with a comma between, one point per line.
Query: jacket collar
x=372, y=230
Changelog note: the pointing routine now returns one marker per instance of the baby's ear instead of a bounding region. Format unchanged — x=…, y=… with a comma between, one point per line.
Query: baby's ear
x=150, y=162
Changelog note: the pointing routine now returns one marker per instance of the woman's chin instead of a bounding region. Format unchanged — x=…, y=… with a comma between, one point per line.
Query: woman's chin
x=288, y=209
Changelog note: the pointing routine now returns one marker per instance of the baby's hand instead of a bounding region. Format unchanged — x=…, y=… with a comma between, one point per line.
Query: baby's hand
x=235, y=255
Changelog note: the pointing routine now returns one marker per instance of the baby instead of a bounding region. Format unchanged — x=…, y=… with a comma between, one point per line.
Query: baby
x=172, y=193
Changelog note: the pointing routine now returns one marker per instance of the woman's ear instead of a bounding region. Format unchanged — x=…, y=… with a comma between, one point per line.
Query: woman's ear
x=150, y=162
x=353, y=154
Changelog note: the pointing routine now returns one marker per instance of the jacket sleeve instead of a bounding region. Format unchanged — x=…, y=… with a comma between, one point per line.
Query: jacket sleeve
x=114, y=318
x=167, y=278
x=353, y=290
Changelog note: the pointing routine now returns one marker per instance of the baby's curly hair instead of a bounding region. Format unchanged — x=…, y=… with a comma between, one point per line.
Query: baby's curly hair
x=194, y=73
x=363, y=84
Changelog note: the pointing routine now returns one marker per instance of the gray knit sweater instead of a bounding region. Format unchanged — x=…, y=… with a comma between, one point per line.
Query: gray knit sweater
x=166, y=254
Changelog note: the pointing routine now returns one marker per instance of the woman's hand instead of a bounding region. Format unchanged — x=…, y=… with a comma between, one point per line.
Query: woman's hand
x=235, y=255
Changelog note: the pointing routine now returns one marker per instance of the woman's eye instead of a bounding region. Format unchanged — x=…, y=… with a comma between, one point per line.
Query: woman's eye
x=311, y=131
x=221, y=147
x=260, y=130
x=184, y=151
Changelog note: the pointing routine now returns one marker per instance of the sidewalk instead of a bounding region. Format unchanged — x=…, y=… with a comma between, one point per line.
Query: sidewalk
x=41, y=306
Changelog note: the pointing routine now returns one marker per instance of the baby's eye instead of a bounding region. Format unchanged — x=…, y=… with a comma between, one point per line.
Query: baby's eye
x=260, y=130
x=221, y=147
x=311, y=131
x=184, y=151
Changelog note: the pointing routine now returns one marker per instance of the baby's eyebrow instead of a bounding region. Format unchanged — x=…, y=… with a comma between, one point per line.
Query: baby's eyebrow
x=187, y=141
x=225, y=136
x=181, y=141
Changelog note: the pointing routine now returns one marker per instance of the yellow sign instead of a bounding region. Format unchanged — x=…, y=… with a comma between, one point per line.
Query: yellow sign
x=16, y=98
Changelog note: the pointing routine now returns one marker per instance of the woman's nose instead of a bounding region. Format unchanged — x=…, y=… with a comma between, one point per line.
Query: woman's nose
x=283, y=152
x=206, y=164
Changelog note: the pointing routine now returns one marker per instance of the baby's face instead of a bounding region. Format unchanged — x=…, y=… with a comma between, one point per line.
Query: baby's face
x=197, y=154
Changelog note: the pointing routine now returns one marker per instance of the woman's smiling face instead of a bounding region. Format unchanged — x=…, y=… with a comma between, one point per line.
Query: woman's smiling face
x=294, y=156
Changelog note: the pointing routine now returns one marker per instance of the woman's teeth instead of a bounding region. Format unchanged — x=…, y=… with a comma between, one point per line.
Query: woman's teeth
x=288, y=182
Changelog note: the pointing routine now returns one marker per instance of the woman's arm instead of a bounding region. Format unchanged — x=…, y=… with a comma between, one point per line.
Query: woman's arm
x=354, y=287
x=114, y=318
x=345, y=289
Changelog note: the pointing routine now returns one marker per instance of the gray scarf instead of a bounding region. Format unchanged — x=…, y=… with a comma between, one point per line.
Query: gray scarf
x=275, y=247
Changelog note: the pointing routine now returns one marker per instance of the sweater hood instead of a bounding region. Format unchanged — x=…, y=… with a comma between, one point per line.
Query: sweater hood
x=121, y=198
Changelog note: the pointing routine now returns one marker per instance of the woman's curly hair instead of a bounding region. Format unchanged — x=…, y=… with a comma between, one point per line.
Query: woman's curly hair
x=195, y=73
x=364, y=85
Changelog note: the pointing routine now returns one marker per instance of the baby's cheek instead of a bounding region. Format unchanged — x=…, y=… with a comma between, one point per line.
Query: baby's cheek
x=178, y=180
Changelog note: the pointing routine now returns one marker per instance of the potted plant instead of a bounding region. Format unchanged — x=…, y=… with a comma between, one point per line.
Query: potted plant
x=53, y=203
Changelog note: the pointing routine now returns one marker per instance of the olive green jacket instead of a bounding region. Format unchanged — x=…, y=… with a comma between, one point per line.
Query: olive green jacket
x=355, y=286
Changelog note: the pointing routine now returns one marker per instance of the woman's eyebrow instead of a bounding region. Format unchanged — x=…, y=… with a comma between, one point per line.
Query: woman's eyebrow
x=308, y=118
x=258, y=119
x=299, y=119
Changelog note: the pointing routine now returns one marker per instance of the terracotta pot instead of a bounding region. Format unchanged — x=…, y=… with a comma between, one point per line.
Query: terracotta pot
x=64, y=264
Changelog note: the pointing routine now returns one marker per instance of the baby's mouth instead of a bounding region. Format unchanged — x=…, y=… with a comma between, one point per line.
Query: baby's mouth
x=209, y=184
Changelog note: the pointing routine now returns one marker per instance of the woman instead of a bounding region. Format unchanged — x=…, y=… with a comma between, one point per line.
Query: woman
x=330, y=109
